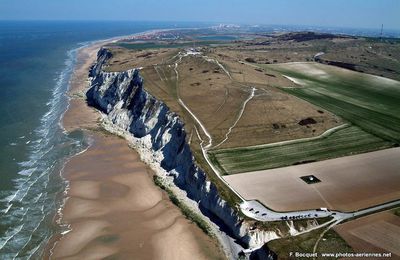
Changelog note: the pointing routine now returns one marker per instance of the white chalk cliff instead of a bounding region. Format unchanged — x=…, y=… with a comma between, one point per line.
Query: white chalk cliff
x=135, y=114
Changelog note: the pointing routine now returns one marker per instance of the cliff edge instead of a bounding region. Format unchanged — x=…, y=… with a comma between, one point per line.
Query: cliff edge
x=159, y=136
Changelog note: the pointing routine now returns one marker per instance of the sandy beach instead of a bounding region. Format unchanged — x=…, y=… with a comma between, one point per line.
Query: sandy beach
x=113, y=208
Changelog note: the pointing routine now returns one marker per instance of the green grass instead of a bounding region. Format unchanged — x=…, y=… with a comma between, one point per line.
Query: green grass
x=397, y=212
x=343, y=142
x=369, y=102
x=286, y=248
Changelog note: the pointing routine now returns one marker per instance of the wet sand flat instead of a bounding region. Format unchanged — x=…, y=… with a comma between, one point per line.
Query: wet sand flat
x=114, y=209
x=79, y=115
x=347, y=184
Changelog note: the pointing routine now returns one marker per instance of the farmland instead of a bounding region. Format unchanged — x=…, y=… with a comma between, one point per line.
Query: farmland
x=347, y=184
x=254, y=116
x=370, y=102
x=344, y=141
x=265, y=124
x=377, y=233
x=185, y=82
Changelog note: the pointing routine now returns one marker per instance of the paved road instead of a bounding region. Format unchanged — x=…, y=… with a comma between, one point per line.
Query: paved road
x=256, y=210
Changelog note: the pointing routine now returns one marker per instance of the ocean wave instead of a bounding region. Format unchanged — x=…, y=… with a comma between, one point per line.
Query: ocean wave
x=27, y=172
x=9, y=235
x=34, y=198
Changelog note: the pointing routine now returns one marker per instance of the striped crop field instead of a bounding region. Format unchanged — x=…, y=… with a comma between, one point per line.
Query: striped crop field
x=345, y=141
x=370, y=102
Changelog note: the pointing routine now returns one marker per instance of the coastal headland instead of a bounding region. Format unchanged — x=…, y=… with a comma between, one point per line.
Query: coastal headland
x=203, y=114
x=113, y=208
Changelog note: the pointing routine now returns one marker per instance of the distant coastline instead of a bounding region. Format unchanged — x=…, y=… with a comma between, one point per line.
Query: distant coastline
x=87, y=194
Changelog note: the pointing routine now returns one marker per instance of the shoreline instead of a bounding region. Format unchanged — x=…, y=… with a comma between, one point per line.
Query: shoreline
x=78, y=116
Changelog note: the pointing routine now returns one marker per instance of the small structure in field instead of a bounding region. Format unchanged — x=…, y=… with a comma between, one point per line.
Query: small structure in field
x=310, y=179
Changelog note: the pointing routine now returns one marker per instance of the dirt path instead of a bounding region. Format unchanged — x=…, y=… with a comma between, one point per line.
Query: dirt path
x=113, y=208
x=238, y=117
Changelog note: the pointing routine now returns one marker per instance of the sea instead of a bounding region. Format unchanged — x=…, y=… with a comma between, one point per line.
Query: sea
x=36, y=62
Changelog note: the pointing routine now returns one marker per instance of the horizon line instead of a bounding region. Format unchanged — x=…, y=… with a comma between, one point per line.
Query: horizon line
x=378, y=28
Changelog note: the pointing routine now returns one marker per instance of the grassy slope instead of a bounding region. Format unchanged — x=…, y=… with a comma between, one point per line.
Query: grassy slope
x=370, y=103
x=172, y=88
x=342, y=142
x=331, y=243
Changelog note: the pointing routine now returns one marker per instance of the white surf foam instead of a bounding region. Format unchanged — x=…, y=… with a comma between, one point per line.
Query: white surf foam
x=29, y=194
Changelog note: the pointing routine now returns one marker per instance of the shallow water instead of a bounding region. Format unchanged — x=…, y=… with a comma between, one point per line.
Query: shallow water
x=36, y=62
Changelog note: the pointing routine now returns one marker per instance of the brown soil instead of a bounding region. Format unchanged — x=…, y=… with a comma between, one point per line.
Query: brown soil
x=375, y=57
x=224, y=97
x=377, y=233
x=347, y=184
x=216, y=99
x=124, y=59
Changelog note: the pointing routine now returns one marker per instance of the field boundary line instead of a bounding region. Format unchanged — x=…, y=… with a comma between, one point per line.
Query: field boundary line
x=295, y=141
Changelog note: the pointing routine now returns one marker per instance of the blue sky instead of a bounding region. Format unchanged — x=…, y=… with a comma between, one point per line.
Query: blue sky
x=344, y=13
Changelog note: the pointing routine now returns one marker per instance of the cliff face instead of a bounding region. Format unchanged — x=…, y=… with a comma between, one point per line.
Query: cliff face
x=132, y=112
x=130, y=108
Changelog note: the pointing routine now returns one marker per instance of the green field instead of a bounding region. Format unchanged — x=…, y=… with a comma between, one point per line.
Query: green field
x=370, y=102
x=346, y=141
